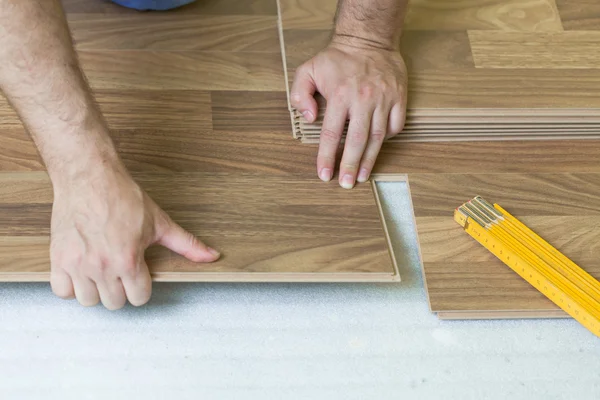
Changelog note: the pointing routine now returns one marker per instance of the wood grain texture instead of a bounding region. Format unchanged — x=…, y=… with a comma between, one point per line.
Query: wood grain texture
x=579, y=14
x=141, y=109
x=489, y=157
x=168, y=70
x=251, y=112
x=310, y=228
x=461, y=275
x=510, y=15
x=212, y=151
x=575, y=49
x=174, y=32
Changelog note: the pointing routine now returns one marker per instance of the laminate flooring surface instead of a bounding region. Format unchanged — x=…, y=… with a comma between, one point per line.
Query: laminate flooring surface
x=462, y=276
x=196, y=104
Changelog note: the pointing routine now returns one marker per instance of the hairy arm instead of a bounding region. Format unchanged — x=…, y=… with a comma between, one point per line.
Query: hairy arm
x=102, y=221
x=363, y=77
x=40, y=76
x=374, y=23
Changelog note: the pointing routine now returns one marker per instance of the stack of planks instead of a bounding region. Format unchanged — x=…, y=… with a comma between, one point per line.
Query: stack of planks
x=478, y=70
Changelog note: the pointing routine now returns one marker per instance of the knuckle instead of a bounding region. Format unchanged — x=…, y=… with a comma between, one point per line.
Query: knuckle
x=367, y=91
x=295, y=98
x=340, y=93
x=349, y=166
x=378, y=135
x=325, y=160
x=330, y=136
x=356, y=139
x=385, y=87
x=368, y=162
x=129, y=268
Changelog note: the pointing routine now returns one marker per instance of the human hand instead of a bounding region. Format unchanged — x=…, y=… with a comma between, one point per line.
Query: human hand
x=101, y=225
x=366, y=85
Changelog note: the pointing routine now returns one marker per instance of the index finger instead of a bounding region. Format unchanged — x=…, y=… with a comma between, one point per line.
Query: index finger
x=331, y=135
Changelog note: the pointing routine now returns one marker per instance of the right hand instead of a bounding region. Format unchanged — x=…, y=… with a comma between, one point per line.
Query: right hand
x=101, y=225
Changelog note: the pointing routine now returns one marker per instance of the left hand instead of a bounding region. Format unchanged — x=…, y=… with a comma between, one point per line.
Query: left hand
x=365, y=85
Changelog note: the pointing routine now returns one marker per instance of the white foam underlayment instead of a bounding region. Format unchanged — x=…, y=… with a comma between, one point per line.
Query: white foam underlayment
x=288, y=341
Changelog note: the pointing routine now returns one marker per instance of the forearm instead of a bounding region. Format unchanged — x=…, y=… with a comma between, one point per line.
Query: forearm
x=40, y=76
x=374, y=23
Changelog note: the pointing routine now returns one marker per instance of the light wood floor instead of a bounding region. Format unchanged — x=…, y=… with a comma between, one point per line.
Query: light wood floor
x=196, y=102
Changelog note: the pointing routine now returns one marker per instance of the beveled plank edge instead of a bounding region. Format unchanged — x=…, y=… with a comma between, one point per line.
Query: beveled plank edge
x=283, y=54
x=517, y=314
x=388, y=178
x=259, y=277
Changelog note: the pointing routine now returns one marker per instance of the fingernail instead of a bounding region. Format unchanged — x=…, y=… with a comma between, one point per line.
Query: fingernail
x=308, y=115
x=214, y=252
x=363, y=175
x=347, y=181
x=325, y=174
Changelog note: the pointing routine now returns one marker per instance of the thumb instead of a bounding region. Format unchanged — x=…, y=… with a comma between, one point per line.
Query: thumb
x=179, y=240
x=302, y=93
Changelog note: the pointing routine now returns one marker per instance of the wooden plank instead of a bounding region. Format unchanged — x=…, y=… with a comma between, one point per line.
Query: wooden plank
x=463, y=276
x=168, y=70
x=509, y=15
x=551, y=50
x=250, y=112
x=216, y=151
x=489, y=157
x=583, y=15
x=307, y=14
x=142, y=109
x=268, y=228
x=454, y=315
x=174, y=32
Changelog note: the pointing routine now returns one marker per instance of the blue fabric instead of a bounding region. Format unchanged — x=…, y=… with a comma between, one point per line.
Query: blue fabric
x=160, y=5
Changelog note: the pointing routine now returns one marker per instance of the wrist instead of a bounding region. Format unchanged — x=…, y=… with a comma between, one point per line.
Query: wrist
x=365, y=41
x=78, y=163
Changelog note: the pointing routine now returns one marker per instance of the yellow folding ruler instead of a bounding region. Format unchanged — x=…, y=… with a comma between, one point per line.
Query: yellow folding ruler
x=534, y=259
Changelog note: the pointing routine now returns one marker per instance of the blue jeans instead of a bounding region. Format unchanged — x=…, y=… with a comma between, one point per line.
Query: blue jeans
x=143, y=5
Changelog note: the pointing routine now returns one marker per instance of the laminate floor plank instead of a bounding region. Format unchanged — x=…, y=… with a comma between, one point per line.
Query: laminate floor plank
x=579, y=14
x=461, y=275
x=211, y=151
x=174, y=32
x=169, y=70
x=252, y=112
x=560, y=50
x=141, y=109
x=286, y=227
x=511, y=15
x=545, y=156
